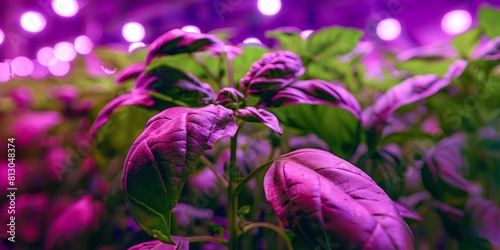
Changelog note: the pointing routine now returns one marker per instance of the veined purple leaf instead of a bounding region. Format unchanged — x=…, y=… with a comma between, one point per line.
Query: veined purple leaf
x=176, y=84
x=230, y=98
x=138, y=97
x=130, y=72
x=180, y=244
x=177, y=41
x=322, y=197
x=162, y=158
x=274, y=71
x=315, y=92
x=251, y=114
x=78, y=219
x=482, y=220
x=442, y=169
x=407, y=212
x=410, y=90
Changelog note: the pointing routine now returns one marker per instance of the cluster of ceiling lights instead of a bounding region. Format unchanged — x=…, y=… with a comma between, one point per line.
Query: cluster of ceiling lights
x=56, y=60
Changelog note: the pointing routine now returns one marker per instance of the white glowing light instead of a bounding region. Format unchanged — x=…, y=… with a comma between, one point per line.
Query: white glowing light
x=269, y=7
x=65, y=8
x=388, y=29
x=2, y=36
x=135, y=46
x=83, y=45
x=305, y=34
x=191, y=28
x=133, y=32
x=46, y=56
x=64, y=51
x=22, y=66
x=60, y=68
x=456, y=22
x=252, y=40
x=33, y=21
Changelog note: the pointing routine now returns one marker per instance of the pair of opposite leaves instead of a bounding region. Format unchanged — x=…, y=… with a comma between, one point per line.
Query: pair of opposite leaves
x=313, y=192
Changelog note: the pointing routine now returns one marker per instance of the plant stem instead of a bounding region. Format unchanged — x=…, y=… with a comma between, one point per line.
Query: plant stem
x=252, y=175
x=230, y=73
x=206, y=239
x=233, y=197
x=269, y=226
x=210, y=165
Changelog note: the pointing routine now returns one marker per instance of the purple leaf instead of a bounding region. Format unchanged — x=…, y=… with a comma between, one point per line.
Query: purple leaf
x=410, y=90
x=180, y=244
x=274, y=71
x=130, y=72
x=407, y=212
x=251, y=114
x=137, y=97
x=187, y=215
x=76, y=221
x=316, y=194
x=22, y=96
x=442, y=171
x=162, y=158
x=30, y=125
x=482, y=220
x=490, y=51
x=177, y=41
x=177, y=84
x=230, y=98
x=315, y=92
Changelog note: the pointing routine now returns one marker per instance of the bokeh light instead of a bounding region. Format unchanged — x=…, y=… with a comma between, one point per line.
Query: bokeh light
x=33, y=21
x=191, y=28
x=269, y=7
x=305, y=34
x=133, y=32
x=2, y=36
x=388, y=29
x=108, y=71
x=135, y=46
x=252, y=40
x=22, y=66
x=5, y=72
x=46, y=56
x=456, y=22
x=83, y=45
x=60, y=68
x=64, y=51
x=65, y=8
x=39, y=70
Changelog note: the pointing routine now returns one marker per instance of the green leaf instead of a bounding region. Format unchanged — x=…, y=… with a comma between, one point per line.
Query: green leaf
x=330, y=42
x=116, y=136
x=342, y=136
x=291, y=41
x=465, y=43
x=424, y=67
x=244, y=210
x=217, y=230
x=489, y=18
x=242, y=63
